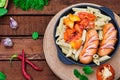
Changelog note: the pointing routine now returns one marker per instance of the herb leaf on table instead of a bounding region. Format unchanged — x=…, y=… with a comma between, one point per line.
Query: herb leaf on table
x=2, y=76
x=27, y=4
x=88, y=70
x=80, y=76
x=3, y=11
x=77, y=73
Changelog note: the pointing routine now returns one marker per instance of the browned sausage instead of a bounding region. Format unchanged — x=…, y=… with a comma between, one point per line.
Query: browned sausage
x=90, y=47
x=108, y=41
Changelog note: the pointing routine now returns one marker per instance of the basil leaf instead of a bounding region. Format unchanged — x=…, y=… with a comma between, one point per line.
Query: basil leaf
x=88, y=70
x=77, y=73
x=83, y=77
x=3, y=11
x=2, y=76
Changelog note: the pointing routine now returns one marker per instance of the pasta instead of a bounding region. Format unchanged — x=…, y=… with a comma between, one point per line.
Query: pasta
x=60, y=27
x=77, y=53
x=104, y=58
x=84, y=36
x=100, y=32
x=95, y=56
x=66, y=48
x=96, y=61
x=101, y=18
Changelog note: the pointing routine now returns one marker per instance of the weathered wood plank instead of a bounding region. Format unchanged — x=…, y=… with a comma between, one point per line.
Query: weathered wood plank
x=32, y=48
x=27, y=25
x=14, y=72
x=56, y=5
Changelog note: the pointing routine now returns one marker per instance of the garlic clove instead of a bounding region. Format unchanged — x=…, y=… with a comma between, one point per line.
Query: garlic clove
x=7, y=42
x=13, y=23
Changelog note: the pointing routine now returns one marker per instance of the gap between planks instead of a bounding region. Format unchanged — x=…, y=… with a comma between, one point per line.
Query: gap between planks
x=33, y=48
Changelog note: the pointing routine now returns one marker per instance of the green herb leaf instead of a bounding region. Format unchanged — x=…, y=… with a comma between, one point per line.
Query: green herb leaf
x=80, y=76
x=3, y=11
x=2, y=76
x=46, y=2
x=16, y=3
x=27, y=4
x=35, y=35
x=88, y=70
x=83, y=77
x=77, y=73
x=41, y=3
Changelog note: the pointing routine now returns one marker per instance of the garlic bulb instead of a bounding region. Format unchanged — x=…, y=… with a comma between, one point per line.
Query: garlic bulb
x=7, y=42
x=13, y=23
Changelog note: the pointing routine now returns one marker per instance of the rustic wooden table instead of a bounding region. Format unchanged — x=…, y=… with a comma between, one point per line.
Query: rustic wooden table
x=30, y=21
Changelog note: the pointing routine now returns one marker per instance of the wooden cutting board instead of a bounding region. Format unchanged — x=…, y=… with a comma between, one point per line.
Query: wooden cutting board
x=63, y=71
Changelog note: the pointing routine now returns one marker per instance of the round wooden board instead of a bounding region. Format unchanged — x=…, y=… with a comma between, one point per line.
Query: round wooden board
x=63, y=71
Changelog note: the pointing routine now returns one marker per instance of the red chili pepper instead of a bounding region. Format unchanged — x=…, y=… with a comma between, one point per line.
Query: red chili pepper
x=27, y=76
x=23, y=59
x=30, y=63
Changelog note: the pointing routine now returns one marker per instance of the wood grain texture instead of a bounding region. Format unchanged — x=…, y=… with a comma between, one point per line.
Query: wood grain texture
x=14, y=72
x=33, y=48
x=56, y=5
x=27, y=25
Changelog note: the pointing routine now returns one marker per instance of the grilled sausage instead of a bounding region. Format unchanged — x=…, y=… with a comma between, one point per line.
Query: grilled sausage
x=90, y=47
x=108, y=41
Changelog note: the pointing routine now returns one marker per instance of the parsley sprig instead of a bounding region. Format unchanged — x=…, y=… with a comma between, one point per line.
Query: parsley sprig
x=27, y=4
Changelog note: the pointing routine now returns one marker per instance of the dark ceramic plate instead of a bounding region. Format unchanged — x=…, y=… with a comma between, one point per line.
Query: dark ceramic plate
x=103, y=10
